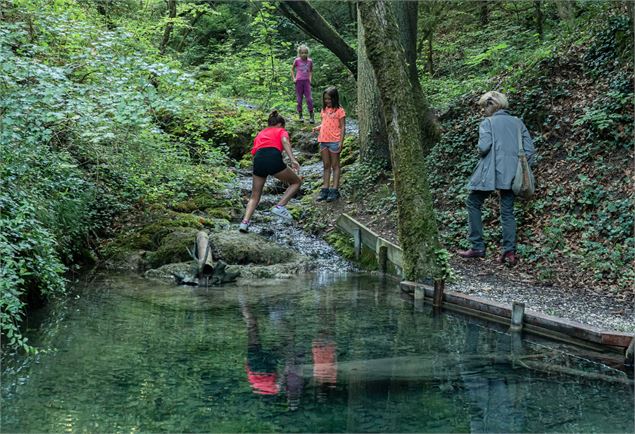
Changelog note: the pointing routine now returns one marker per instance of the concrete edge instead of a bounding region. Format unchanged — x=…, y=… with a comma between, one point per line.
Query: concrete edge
x=534, y=322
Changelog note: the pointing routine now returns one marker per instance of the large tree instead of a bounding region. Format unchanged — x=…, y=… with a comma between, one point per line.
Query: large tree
x=417, y=227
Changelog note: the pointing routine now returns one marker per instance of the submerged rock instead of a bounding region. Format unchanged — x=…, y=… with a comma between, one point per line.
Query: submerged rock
x=237, y=248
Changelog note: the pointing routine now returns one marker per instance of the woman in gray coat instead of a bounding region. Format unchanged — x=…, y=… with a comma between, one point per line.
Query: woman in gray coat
x=498, y=149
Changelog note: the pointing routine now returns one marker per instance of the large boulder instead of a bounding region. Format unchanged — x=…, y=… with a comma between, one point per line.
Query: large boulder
x=237, y=248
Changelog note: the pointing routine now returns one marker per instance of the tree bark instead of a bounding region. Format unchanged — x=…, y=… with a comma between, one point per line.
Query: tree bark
x=169, y=26
x=406, y=13
x=484, y=10
x=302, y=14
x=417, y=227
x=539, y=18
x=373, y=138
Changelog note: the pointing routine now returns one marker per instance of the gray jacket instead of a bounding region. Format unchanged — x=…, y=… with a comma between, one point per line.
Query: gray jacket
x=497, y=166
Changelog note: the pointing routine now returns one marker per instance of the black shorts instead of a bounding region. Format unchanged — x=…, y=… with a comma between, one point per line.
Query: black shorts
x=268, y=161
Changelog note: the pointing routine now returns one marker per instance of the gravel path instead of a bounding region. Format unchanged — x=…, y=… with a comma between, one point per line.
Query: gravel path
x=497, y=283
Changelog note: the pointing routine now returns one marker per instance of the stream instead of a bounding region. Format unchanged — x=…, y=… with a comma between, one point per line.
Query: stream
x=335, y=350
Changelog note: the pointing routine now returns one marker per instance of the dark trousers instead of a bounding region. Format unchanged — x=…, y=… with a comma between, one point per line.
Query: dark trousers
x=508, y=222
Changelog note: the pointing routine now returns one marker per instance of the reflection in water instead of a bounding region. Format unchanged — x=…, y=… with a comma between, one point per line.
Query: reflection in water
x=323, y=354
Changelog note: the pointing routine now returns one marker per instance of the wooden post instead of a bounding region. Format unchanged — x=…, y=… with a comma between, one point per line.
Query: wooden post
x=382, y=258
x=357, y=241
x=518, y=312
x=419, y=296
x=437, y=297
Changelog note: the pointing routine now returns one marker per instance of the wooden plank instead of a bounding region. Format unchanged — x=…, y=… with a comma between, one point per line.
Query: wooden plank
x=534, y=322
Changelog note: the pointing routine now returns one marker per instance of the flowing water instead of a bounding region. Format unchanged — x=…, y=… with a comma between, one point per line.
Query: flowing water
x=324, y=352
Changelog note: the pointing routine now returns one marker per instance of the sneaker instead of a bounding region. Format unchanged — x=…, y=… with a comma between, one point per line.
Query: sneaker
x=323, y=195
x=472, y=253
x=282, y=212
x=311, y=118
x=300, y=118
x=244, y=225
x=508, y=258
x=333, y=195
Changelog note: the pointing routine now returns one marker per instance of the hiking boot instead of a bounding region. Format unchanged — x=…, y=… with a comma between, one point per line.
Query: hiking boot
x=333, y=195
x=282, y=212
x=311, y=118
x=472, y=253
x=300, y=118
x=323, y=195
x=244, y=226
x=508, y=258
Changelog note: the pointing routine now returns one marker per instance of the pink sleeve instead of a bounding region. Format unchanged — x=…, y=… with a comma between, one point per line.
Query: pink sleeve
x=341, y=113
x=295, y=62
x=284, y=133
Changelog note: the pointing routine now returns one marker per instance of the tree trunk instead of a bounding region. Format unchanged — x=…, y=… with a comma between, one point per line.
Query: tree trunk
x=406, y=13
x=373, y=138
x=302, y=14
x=430, y=58
x=484, y=9
x=539, y=18
x=169, y=26
x=417, y=227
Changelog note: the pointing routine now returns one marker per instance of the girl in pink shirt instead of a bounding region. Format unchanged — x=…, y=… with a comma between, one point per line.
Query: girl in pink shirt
x=331, y=139
x=303, y=69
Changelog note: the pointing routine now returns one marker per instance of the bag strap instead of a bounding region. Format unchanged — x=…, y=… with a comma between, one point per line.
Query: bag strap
x=521, y=151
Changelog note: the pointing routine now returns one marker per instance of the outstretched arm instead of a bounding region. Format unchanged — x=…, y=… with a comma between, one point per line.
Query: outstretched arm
x=287, y=148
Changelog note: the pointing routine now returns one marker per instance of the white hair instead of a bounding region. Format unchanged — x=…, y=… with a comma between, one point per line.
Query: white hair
x=303, y=47
x=495, y=98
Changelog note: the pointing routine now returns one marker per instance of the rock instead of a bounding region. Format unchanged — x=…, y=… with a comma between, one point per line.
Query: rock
x=237, y=248
x=173, y=248
x=275, y=271
x=167, y=272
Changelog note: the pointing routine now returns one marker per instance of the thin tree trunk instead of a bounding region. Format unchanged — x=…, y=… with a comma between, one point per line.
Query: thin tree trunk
x=430, y=57
x=373, y=138
x=484, y=9
x=417, y=227
x=307, y=18
x=539, y=18
x=169, y=26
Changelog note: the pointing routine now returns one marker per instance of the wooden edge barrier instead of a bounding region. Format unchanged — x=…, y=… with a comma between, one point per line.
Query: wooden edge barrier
x=533, y=322
x=384, y=249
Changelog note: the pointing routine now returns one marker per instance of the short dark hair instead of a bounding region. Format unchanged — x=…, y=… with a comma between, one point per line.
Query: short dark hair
x=275, y=118
x=335, y=97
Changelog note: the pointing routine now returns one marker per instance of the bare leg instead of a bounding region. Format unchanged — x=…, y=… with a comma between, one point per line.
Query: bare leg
x=326, y=174
x=288, y=176
x=335, y=166
x=257, y=184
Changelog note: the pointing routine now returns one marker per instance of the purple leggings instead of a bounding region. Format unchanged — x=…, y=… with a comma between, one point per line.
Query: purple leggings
x=303, y=87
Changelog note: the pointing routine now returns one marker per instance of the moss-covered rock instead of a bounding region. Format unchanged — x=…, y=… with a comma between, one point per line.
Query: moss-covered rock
x=237, y=248
x=173, y=248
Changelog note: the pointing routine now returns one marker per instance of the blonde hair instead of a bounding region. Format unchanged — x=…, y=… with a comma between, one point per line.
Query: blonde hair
x=303, y=47
x=494, y=98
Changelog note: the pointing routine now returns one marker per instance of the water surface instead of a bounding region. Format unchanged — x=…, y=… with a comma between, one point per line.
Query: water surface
x=321, y=353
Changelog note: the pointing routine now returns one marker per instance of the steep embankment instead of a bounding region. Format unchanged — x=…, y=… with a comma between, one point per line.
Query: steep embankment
x=577, y=232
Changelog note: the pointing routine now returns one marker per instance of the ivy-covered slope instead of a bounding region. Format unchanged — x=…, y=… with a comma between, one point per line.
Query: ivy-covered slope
x=578, y=106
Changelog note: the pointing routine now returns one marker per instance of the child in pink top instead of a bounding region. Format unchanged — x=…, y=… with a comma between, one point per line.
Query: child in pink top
x=331, y=139
x=303, y=67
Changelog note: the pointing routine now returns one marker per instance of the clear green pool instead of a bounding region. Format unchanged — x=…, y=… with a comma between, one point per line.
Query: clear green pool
x=320, y=353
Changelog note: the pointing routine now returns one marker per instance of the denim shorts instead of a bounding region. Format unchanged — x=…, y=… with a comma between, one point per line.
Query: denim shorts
x=333, y=147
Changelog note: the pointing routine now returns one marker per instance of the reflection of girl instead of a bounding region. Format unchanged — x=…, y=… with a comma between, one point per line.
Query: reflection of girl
x=324, y=360
x=261, y=364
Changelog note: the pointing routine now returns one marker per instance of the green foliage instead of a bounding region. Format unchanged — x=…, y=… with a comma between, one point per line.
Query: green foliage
x=361, y=176
x=582, y=219
x=84, y=136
